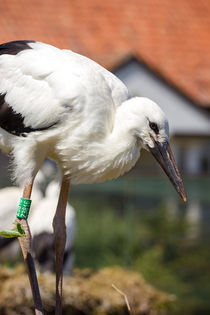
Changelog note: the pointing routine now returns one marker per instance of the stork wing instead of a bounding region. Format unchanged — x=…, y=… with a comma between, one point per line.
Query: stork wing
x=40, y=84
x=27, y=100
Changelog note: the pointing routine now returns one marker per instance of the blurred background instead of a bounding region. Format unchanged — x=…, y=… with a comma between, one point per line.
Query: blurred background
x=161, y=50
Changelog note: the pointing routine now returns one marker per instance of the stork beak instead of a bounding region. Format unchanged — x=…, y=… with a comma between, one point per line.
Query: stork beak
x=162, y=153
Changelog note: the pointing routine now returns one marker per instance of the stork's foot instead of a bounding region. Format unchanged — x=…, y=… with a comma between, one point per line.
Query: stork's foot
x=60, y=241
x=25, y=244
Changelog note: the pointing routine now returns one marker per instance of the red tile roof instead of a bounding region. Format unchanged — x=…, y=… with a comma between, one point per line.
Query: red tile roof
x=171, y=37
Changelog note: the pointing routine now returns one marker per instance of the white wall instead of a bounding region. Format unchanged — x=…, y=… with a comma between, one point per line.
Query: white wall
x=184, y=118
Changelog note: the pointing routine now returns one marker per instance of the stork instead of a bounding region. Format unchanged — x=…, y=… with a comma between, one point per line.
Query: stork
x=58, y=104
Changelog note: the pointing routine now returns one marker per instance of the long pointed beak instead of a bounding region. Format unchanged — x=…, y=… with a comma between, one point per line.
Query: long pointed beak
x=162, y=153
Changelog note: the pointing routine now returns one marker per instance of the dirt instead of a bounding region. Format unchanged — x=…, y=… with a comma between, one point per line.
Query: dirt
x=85, y=292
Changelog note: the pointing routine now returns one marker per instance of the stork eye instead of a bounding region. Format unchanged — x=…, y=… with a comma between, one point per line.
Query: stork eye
x=154, y=127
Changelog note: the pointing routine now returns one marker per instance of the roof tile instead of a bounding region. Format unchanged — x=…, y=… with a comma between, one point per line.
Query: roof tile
x=171, y=37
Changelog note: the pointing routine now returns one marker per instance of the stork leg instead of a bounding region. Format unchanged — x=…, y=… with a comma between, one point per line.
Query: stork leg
x=25, y=243
x=60, y=240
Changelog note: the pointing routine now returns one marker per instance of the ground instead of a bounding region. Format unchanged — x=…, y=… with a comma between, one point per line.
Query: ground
x=84, y=293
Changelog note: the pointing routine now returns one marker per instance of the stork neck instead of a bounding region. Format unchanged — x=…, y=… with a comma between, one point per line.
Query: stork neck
x=121, y=147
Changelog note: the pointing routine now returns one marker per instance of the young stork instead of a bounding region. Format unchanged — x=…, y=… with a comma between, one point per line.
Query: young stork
x=58, y=104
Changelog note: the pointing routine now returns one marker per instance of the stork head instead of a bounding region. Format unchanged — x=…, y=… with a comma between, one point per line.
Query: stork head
x=150, y=126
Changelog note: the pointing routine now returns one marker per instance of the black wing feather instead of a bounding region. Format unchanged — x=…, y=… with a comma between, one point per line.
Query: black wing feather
x=14, y=47
x=13, y=122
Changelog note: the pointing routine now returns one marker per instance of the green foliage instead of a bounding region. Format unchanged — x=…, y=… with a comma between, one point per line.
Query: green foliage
x=153, y=242
x=17, y=231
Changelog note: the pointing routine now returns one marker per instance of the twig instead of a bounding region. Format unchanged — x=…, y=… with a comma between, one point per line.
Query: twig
x=125, y=297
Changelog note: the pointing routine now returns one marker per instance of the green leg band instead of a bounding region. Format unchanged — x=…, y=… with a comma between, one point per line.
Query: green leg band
x=23, y=209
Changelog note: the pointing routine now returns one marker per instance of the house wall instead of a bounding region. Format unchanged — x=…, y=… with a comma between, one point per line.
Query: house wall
x=189, y=125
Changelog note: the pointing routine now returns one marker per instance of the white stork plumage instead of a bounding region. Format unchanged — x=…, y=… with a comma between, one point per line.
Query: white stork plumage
x=58, y=104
